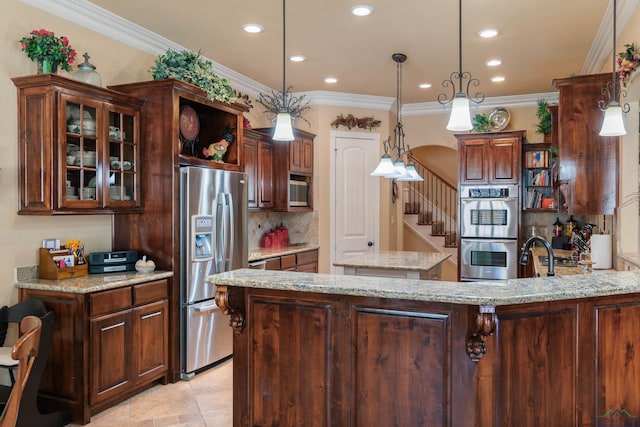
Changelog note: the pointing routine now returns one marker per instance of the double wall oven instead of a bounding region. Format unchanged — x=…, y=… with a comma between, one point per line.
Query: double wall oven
x=489, y=232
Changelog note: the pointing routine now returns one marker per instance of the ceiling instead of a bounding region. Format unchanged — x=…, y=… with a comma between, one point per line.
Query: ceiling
x=539, y=40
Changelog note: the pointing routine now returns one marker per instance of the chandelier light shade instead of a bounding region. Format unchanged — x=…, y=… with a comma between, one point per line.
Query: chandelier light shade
x=387, y=167
x=460, y=119
x=283, y=130
x=613, y=123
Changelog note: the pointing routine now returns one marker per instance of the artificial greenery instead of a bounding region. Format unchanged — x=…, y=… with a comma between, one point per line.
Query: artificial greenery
x=481, y=123
x=190, y=67
x=351, y=121
x=544, y=117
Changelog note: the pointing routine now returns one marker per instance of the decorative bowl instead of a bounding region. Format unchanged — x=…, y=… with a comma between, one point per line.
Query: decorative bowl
x=144, y=269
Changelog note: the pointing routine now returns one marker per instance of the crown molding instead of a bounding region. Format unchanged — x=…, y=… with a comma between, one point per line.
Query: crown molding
x=95, y=18
x=600, y=49
x=512, y=101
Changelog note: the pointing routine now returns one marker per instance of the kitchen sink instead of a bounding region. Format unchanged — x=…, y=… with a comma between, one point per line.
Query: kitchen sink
x=558, y=261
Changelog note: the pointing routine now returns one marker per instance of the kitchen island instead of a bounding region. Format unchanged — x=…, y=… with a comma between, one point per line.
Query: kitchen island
x=402, y=264
x=314, y=349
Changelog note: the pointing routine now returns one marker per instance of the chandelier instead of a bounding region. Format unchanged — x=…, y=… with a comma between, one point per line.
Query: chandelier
x=284, y=105
x=460, y=118
x=397, y=169
x=613, y=125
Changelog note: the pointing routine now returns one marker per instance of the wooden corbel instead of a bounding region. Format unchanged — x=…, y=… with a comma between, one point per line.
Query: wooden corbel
x=230, y=302
x=483, y=328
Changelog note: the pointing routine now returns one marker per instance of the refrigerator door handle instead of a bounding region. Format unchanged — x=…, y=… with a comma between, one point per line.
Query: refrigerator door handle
x=230, y=234
x=206, y=308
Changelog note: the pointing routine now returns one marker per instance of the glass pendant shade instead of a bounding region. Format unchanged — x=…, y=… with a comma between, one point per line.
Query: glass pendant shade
x=399, y=170
x=412, y=173
x=613, y=125
x=460, y=118
x=283, y=131
x=385, y=167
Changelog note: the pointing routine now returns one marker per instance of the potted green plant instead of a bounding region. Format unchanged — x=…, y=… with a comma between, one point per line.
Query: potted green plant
x=481, y=123
x=544, y=118
x=190, y=67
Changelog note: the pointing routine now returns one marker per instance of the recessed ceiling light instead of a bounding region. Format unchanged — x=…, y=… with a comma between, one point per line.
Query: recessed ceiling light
x=330, y=80
x=361, y=10
x=253, y=28
x=488, y=33
x=497, y=79
x=424, y=85
x=494, y=62
x=297, y=58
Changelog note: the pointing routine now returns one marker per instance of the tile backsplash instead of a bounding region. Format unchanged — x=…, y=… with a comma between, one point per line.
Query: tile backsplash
x=302, y=226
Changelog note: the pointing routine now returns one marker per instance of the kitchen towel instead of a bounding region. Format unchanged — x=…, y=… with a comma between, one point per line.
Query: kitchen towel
x=601, y=251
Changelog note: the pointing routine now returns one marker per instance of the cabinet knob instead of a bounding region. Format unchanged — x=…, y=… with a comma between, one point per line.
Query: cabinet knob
x=369, y=244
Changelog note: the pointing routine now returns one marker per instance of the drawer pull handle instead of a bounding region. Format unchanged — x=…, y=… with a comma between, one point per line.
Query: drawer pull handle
x=146, y=316
x=117, y=325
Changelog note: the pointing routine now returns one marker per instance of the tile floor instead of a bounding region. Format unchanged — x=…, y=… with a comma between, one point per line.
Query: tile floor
x=205, y=401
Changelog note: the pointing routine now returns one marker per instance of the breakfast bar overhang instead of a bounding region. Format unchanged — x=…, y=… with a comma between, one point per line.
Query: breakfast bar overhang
x=332, y=350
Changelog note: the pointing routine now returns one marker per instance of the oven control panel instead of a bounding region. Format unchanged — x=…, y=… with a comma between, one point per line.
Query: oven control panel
x=489, y=192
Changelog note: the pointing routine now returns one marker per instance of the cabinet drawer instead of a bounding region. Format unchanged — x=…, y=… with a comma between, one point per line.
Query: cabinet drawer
x=307, y=257
x=272, y=264
x=107, y=301
x=287, y=261
x=150, y=291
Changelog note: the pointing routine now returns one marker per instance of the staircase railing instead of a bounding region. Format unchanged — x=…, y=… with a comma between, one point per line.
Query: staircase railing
x=435, y=201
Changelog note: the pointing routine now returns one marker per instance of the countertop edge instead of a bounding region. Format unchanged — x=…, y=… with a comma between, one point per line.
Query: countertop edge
x=387, y=266
x=489, y=293
x=261, y=254
x=93, y=282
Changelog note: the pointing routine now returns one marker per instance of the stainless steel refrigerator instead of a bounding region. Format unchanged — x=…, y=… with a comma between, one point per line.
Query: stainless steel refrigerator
x=213, y=239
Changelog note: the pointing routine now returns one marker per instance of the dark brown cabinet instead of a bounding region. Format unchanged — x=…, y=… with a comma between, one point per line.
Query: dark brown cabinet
x=157, y=230
x=306, y=261
x=588, y=162
x=489, y=158
x=292, y=161
x=108, y=346
x=79, y=148
x=258, y=164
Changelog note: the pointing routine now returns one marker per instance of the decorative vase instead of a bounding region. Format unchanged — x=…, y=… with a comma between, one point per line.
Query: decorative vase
x=46, y=66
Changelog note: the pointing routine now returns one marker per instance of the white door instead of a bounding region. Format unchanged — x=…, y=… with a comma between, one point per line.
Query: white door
x=355, y=198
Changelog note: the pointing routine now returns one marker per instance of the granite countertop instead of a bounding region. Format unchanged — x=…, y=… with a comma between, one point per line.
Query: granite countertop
x=260, y=254
x=93, y=282
x=395, y=260
x=491, y=293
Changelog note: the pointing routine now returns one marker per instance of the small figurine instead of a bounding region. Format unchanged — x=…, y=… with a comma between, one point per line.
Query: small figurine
x=216, y=150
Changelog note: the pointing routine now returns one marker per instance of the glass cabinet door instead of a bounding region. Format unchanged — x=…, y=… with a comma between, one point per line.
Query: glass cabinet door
x=123, y=154
x=81, y=147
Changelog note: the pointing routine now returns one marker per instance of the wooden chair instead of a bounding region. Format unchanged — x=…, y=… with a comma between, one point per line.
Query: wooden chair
x=15, y=314
x=24, y=350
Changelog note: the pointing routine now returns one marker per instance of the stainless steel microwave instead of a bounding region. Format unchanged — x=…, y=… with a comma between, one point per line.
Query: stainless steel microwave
x=298, y=193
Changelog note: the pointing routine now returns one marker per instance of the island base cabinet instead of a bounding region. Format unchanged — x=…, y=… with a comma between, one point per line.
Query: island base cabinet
x=327, y=360
x=303, y=358
x=562, y=364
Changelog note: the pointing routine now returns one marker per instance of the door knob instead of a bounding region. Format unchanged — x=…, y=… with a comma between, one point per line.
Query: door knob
x=369, y=244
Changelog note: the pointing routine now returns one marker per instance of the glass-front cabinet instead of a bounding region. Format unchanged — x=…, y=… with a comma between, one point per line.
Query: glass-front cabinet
x=79, y=148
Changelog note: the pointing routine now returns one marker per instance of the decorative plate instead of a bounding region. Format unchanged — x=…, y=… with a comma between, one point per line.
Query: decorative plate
x=189, y=123
x=499, y=118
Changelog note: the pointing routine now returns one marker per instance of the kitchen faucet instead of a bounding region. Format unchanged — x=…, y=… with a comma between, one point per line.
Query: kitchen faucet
x=524, y=258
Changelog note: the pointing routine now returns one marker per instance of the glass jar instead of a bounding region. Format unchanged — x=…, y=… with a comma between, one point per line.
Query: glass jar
x=87, y=73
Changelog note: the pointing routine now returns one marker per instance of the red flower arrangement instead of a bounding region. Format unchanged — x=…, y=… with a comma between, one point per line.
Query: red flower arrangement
x=45, y=45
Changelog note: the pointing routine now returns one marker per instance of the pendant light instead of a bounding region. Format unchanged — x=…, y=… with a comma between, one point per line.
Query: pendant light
x=460, y=118
x=613, y=124
x=397, y=169
x=284, y=129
